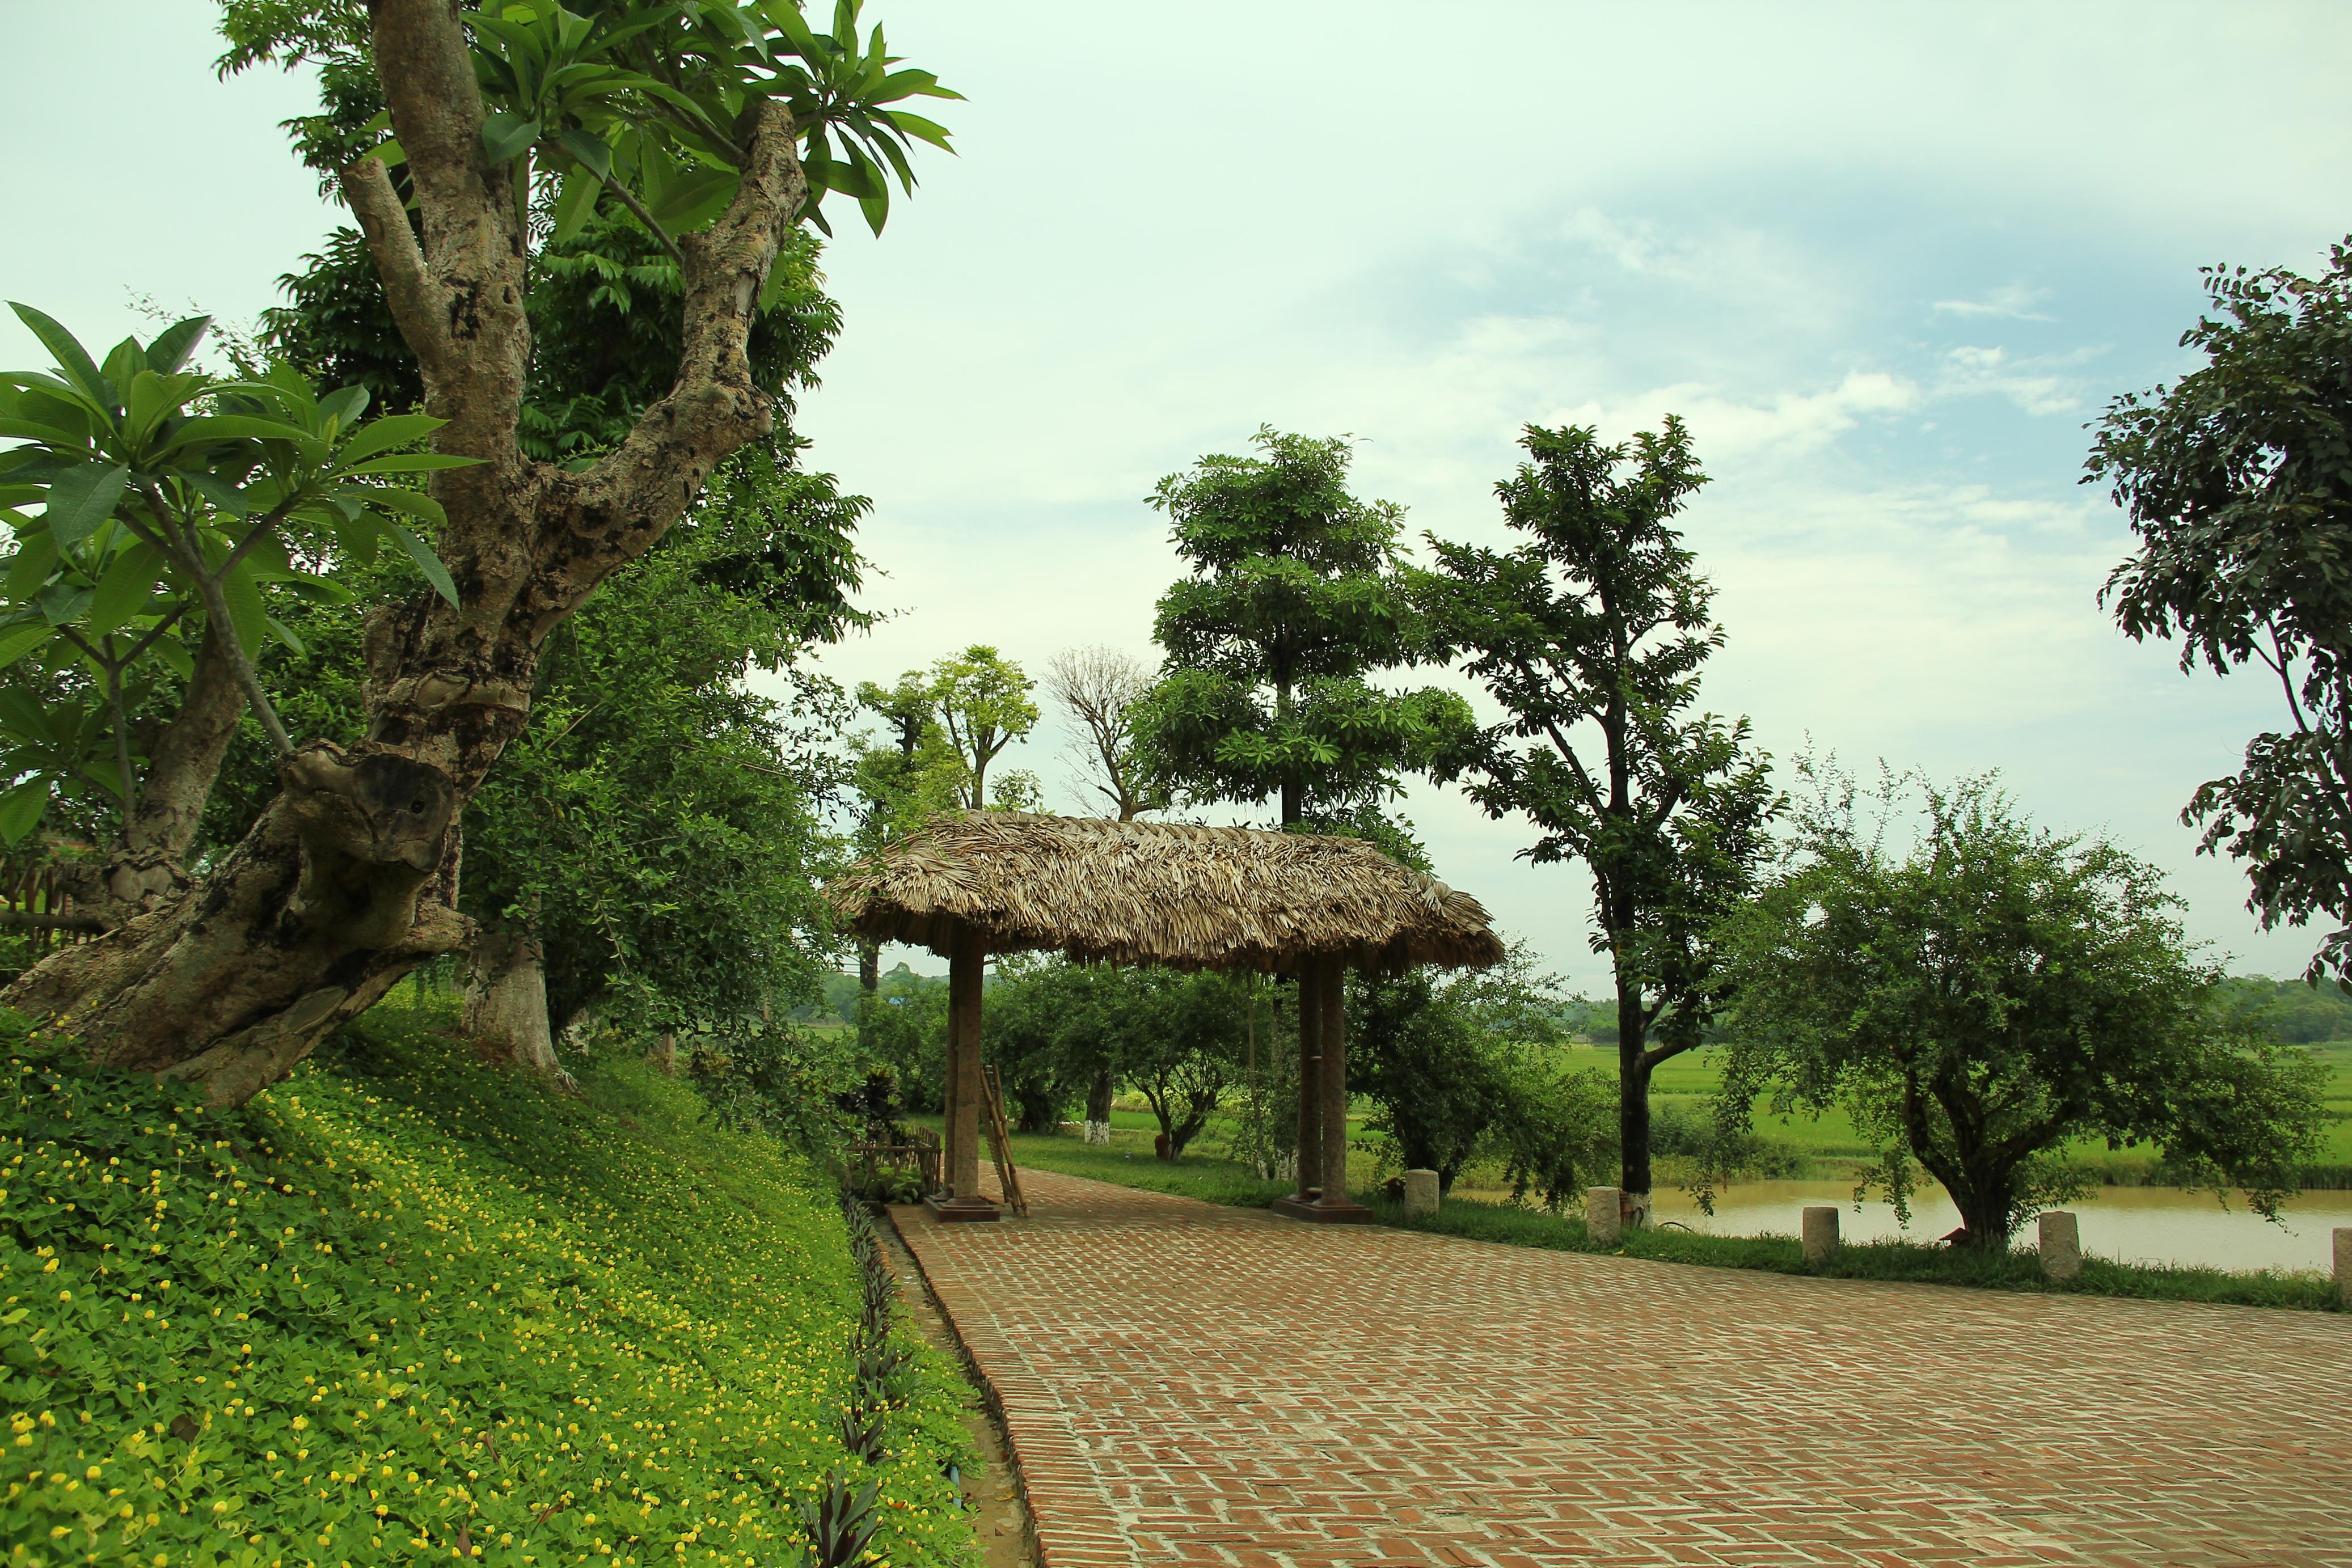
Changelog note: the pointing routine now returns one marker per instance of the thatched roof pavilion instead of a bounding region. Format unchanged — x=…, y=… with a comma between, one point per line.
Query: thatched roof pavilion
x=968, y=885
x=1160, y=893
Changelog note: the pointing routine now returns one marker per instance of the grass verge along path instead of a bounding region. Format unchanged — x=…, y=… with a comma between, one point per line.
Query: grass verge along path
x=1129, y=1161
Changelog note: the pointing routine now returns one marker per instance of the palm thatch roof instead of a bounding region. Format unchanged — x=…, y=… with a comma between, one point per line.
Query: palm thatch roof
x=1159, y=893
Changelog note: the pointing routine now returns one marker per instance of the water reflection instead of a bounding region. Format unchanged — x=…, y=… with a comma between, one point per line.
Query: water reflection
x=2130, y=1223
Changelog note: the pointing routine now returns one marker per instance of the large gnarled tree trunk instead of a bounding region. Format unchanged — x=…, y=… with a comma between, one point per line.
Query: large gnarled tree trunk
x=342, y=885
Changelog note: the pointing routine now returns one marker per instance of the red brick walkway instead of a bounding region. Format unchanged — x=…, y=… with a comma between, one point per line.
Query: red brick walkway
x=1185, y=1384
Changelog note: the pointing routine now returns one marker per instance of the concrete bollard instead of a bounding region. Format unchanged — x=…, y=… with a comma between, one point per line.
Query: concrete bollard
x=1820, y=1234
x=2343, y=1263
x=2062, y=1246
x=1421, y=1192
x=1604, y=1214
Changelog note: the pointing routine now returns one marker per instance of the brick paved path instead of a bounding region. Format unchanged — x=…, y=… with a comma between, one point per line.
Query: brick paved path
x=1175, y=1398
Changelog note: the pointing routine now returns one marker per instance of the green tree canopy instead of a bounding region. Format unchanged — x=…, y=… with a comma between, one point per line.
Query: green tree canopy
x=1053, y=1027
x=1591, y=636
x=1293, y=605
x=1981, y=995
x=2238, y=481
x=981, y=702
x=1468, y=1066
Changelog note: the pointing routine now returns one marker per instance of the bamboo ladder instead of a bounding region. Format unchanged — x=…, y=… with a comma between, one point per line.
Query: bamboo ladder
x=1000, y=1140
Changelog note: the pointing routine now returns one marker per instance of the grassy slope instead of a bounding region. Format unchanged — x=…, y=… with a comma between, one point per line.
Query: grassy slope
x=404, y=1304
x=1127, y=1160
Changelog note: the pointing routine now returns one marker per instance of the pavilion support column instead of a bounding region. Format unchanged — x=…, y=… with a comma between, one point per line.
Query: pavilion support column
x=949, y=1099
x=967, y=962
x=1310, y=1077
x=1322, y=1135
x=1331, y=985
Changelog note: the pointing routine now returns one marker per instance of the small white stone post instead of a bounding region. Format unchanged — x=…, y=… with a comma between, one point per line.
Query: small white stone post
x=1604, y=1214
x=2062, y=1245
x=1820, y=1234
x=1420, y=1192
x=2343, y=1263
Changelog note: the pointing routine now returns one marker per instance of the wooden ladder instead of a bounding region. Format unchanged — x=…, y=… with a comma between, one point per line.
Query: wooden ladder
x=1000, y=1140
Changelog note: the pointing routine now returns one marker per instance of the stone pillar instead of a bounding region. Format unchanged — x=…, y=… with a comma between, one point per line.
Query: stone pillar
x=1331, y=982
x=1604, y=1213
x=967, y=963
x=1420, y=1192
x=1310, y=1077
x=2343, y=1263
x=1820, y=1234
x=2062, y=1246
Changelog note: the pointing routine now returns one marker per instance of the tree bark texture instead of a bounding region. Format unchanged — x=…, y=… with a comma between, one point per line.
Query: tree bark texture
x=145, y=867
x=506, y=1001
x=869, y=991
x=1099, y=1094
x=338, y=889
x=1632, y=1103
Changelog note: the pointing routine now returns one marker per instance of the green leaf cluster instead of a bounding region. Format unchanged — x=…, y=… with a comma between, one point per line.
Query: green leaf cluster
x=147, y=499
x=1176, y=1038
x=944, y=727
x=2238, y=482
x=647, y=102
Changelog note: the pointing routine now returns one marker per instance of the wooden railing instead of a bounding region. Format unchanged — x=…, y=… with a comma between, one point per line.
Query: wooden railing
x=922, y=1156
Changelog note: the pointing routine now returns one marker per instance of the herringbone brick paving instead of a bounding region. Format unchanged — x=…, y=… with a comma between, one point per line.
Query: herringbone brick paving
x=1190, y=1385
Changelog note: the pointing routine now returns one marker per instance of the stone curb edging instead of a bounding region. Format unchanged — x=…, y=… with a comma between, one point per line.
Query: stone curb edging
x=1070, y=1519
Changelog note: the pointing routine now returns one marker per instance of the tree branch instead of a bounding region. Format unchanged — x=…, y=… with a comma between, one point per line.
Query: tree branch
x=189, y=552
x=636, y=210
x=27, y=920
x=1654, y=1054
x=712, y=408
x=399, y=263
x=464, y=276
x=155, y=633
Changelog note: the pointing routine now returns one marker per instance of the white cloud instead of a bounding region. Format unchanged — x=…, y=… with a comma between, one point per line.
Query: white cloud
x=1730, y=430
x=2039, y=385
x=2012, y=302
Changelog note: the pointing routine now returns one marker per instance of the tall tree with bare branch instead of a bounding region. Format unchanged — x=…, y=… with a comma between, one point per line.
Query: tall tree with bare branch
x=1099, y=689
x=719, y=128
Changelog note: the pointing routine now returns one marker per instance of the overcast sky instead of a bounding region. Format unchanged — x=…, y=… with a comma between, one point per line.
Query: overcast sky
x=1887, y=261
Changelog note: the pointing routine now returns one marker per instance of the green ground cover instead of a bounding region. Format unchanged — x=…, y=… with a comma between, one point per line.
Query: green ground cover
x=1207, y=1175
x=405, y=1307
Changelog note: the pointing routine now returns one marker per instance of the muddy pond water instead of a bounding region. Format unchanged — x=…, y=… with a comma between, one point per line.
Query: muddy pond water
x=2128, y=1224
